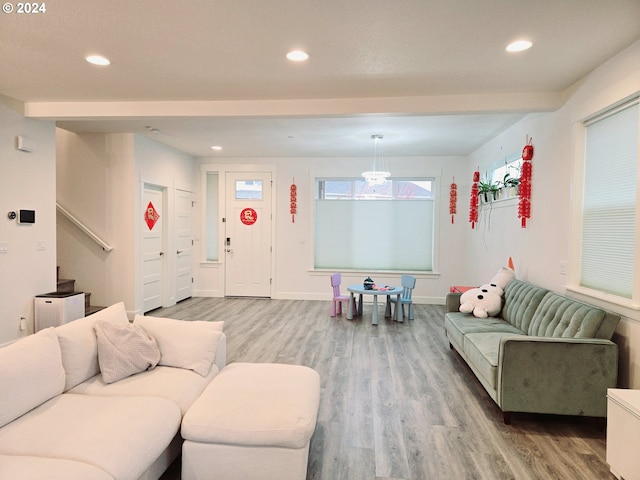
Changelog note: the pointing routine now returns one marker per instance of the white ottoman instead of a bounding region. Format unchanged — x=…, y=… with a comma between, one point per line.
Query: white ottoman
x=253, y=421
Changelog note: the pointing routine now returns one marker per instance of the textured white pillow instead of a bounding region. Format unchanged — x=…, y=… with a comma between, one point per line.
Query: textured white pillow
x=124, y=350
x=78, y=344
x=30, y=374
x=182, y=343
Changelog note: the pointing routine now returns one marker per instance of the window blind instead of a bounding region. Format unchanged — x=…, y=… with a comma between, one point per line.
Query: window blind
x=374, y=235
x=609, y=201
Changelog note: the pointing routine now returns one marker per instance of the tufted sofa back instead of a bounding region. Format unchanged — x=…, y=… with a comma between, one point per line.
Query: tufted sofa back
x=563, y=317
x=521, y=300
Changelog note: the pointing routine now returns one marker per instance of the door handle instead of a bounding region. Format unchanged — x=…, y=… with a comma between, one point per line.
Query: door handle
x=161, y=253
x=179, y=252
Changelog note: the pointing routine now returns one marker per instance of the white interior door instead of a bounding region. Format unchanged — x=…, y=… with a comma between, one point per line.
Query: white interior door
x=248, y=234
x=152, y=247
x=184, y=245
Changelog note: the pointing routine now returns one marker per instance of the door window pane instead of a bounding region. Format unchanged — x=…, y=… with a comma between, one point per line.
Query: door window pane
x=248, y=189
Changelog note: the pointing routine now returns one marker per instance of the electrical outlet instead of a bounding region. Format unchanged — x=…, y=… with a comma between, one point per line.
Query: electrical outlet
x=563, y=267
x=41, y=246
x=23, y=324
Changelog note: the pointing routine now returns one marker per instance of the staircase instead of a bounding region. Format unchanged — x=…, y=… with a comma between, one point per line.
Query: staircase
x=68, y=286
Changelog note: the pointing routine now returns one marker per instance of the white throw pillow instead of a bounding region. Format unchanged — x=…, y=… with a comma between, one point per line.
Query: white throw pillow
x=124, y=350
x=79, y=347
x=31, y=373
x=184, y=344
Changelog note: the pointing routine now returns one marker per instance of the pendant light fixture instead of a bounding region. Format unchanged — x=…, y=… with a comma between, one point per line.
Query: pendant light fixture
x=379, y=174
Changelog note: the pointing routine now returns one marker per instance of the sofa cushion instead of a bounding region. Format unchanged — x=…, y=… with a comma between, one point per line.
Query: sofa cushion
x=183, y=343
x=30, y=374
x=179, y=385
x=482, y=351
x=41, y=468
x=122, y=436
x=79, y=346
x=256, y=404
x=562, y=317
x=124, y=350
x=521, y=300
x=459, y=324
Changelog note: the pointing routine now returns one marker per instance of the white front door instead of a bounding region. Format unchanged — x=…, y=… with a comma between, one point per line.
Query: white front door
x=247, y=243
x=184, y=245
x=153, y=251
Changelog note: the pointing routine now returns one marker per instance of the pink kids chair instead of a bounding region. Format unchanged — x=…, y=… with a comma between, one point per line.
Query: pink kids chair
x=338, y=299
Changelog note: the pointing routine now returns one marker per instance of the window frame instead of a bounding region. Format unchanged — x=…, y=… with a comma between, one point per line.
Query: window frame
x=435, y=184
x=623, y=305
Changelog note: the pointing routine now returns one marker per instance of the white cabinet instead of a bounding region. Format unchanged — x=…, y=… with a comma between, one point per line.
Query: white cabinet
x=623, y=433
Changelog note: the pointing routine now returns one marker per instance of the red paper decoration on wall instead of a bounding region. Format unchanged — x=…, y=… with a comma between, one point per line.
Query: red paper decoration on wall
x=293, y=201
x=524, y=207
x=453, y=199
x=151, y=216
x=473, y=201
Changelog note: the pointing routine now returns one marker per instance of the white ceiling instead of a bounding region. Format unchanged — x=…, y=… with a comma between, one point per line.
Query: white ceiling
x=432, y=76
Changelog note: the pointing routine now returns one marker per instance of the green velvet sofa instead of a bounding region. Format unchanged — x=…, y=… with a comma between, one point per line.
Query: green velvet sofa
x=545, y=353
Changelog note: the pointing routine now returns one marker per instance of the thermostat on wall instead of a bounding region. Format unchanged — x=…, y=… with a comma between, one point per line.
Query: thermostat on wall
x=27, y=216
x=25, y=144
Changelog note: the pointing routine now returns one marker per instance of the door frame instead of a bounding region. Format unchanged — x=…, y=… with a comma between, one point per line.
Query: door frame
x=176, y=193
x=219, y=265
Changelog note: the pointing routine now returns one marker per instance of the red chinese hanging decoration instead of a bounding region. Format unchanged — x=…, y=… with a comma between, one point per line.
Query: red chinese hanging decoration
x=453, y=199
x=293, y=201
x=151, y=216
x=524, y=208
x=473, y=200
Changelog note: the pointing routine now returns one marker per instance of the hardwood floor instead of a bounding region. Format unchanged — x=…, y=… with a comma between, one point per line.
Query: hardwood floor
x=396, y=402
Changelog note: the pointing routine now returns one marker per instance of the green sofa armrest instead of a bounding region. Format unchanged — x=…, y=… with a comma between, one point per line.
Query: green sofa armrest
x=563, y=376
x=452, y=302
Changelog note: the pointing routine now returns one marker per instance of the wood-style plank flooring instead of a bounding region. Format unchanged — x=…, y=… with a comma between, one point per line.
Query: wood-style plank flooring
x=396, y=402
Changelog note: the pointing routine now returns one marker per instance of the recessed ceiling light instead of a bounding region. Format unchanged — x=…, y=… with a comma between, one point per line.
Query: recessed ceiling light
x=297, y=56
x=216, y=147
x=98, y=60
x=519, y=46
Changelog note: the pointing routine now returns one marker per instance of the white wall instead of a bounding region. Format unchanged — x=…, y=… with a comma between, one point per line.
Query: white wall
x=95, y=183
x=538, y=250
x=293, y=275
x=100, y=178
x=25, y=183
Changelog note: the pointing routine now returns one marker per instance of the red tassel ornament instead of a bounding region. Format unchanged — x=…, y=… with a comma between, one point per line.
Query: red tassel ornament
x=293, y=201
x=453, y=200
x=473, y=200
x=524, y=207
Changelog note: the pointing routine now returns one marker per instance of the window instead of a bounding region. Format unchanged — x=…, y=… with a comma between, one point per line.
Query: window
x=211, y=220
x=248, y=190
x=510, y=170
x=608, y=216
x=382, y=227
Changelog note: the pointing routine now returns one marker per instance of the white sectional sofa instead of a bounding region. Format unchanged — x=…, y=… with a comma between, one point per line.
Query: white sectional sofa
x=59, y=419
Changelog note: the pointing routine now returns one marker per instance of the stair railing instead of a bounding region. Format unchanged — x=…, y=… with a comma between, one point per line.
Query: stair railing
x=105, y=246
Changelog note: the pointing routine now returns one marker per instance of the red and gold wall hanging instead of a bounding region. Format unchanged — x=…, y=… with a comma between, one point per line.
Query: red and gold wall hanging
x=151, y=216
x=524, y=207
x=293, y=201
x=453, y=200
x=473, y=200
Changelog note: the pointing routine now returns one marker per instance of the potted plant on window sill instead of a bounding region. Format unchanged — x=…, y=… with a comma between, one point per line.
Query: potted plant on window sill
x=488, y=191
x=510, y=186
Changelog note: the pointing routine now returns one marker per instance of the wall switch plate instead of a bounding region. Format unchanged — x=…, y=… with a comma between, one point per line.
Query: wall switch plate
x=563, y=268
x=4, y=247
x=40, y=246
